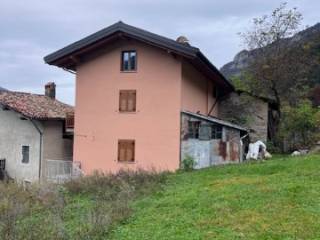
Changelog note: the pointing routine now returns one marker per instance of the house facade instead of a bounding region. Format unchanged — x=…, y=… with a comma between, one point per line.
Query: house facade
x=32, y=131
x=132, y=87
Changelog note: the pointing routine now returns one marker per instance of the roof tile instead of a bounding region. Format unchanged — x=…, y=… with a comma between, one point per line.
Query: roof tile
x=35, y=106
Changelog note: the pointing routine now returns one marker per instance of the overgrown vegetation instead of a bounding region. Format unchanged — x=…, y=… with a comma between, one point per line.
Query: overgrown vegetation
x=284, y=70
x=274, y=199
x=300, y=126
x=86, y=208
x=188, y=163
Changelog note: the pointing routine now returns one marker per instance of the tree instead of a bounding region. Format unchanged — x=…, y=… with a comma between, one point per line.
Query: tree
x=300, y=125
x=279, y=67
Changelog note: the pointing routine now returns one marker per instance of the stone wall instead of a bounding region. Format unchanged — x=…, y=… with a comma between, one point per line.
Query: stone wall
x=247, y=111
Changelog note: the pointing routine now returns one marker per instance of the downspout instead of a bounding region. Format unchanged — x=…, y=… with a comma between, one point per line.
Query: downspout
x=40, y=150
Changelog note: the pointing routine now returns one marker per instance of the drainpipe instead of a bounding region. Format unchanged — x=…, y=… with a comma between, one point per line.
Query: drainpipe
x=40, y=151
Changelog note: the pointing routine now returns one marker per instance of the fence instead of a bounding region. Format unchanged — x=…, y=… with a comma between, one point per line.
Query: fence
x=59, y=171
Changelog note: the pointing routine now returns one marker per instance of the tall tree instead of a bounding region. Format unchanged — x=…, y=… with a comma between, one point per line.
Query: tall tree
x=279, y=68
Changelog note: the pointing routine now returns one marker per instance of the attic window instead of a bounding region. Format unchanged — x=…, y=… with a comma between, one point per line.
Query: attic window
x=128, y=61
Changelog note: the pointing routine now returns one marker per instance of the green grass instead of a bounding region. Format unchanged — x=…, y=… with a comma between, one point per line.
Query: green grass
x=276, y=199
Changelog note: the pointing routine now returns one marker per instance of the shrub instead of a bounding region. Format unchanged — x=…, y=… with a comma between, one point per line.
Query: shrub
x=188, y=163
x=272, y=148
x=299, y=126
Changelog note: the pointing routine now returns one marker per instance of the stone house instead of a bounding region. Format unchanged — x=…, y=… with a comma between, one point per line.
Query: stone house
x=254, y=113
x=32, y=130
x=136, y=92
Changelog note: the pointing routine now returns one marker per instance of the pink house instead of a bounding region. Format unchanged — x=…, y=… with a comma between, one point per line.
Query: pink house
x=146, y=101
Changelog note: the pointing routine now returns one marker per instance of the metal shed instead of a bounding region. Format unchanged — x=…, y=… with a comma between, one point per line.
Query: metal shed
x=210, y=141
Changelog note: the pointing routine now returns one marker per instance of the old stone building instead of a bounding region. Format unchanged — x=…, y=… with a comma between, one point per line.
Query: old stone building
x=253, y=113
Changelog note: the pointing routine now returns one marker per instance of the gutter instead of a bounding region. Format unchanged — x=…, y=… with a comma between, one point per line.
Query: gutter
x=207, y=61
x=40, y=150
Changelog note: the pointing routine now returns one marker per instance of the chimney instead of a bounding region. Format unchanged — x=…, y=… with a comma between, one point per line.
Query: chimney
x=183, y=40
x=50, y=90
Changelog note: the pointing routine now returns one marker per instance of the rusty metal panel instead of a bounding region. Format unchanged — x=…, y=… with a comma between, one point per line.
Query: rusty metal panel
x=209, y=151
x=223, y=149
x=234, y=152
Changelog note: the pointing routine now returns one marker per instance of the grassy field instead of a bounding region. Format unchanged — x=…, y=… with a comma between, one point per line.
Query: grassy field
x=276, y=199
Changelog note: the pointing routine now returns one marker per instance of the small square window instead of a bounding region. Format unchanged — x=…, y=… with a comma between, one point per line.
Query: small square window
x=127, y=100
x=193, y=129
x=25, y=154
x=216, y=132
x=129, y=61
x=126, y=150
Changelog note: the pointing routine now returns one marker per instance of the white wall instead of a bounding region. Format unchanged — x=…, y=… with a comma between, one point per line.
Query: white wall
x=55, y=147
x=14, y=133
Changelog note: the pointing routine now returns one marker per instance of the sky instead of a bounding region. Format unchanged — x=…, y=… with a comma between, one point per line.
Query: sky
x=30, y=30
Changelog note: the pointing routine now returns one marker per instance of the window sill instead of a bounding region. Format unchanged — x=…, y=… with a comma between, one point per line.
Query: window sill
x=133, y=71
x=126, y=162
x=127, y=112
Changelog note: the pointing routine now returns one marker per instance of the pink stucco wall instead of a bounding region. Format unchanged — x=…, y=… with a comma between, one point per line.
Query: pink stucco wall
x=156, y=124
x=197, y=91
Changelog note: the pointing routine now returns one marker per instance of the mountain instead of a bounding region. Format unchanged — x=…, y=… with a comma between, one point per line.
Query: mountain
x=242, y=60
x=3, y=89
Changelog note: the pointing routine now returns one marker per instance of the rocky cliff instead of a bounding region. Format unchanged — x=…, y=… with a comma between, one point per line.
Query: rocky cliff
x=242, y=60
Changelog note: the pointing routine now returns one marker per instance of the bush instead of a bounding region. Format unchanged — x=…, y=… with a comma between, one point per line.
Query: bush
x=272, y=148
x=299, y=126
x=188, y=163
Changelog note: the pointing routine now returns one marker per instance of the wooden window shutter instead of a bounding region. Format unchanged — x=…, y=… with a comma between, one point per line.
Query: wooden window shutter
x=132, y=101
x=130, y=151
x=126, y=150
x=121, y=151
x=123, y=101
x=127, y=101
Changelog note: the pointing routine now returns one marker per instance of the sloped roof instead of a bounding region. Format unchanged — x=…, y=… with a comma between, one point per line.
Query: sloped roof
x=67, y=57
x=35, y=106
x=125, y=28
x=216, y=120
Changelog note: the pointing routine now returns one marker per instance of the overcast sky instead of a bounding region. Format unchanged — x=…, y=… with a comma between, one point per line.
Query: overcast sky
x=31, y=29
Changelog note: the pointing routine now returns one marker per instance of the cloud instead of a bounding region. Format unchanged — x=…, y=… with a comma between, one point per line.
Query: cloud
x=32, y=29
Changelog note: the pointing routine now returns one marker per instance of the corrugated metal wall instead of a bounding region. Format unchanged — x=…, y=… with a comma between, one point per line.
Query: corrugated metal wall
x=207, y=151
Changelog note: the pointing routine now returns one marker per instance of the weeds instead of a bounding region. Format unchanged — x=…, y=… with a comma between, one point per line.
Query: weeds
x=85, y=208
x=188, y=163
